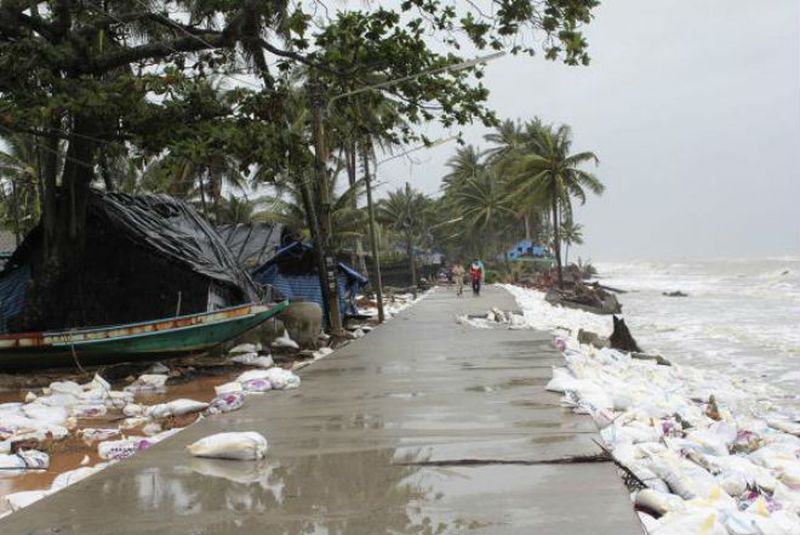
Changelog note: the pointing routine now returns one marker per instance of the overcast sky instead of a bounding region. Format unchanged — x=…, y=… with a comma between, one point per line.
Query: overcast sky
x=693, y=107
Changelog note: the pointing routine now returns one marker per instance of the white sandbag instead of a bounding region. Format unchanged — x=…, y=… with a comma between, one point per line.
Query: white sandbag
x=66, y=387
x=700, y=521
x=285, y=341
x=245, y=348
x=324, y=351
x=228, y=388
x=157, y=369
x=244, y=446
x=282, y=379
x=659, y=502
x=133, y=409
x=122, y=449
x=88, y=411
x=148, y=383
x=152, y=428
x=249, y=375
x=34, y=459
x=561, y=380
x=244, y=358
x=132, y=422
x=98, y=383
x=29, y=397
x=45, y=414
x=91, y=434
x=177, y=407
x=71, y=477
x=223, y=403
x=19, y=500
x=256, y=385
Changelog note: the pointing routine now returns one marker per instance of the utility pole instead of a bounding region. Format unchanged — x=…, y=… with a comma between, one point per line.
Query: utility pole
x=326, y=262
x=373, y=239
x=409, y=224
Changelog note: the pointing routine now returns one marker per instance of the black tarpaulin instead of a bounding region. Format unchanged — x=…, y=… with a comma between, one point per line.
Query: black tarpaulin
x=252, y=244
x=175, y=230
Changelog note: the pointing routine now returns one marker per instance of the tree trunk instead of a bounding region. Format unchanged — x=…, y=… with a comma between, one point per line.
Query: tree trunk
x=373, y=238
x=527, y=220
x=64, y=224
x=557, y=241
x=566, y=253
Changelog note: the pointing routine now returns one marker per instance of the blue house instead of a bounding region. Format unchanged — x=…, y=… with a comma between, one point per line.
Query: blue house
x=292, y=271
x=526, y=248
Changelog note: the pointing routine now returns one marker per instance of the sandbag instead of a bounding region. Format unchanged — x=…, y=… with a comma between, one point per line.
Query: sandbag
x=243, y=446
x=223, y=403
x=177, y=407
x=18, y=500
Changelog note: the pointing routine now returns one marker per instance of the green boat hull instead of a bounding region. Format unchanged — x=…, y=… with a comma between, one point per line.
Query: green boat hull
x=146, y=341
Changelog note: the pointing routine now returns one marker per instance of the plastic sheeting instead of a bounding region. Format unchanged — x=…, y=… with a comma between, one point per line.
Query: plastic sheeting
x=252, y=244
x=176, y=230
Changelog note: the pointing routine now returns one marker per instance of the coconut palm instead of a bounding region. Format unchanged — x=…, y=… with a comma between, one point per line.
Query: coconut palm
x=465, y=164
x=545, y=170
x=483, y=203
x=20, y=183
x=571, y=234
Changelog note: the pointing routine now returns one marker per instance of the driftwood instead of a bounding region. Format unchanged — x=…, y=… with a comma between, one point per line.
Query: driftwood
x=622, y=339
x=609, y=288
x=677, y=293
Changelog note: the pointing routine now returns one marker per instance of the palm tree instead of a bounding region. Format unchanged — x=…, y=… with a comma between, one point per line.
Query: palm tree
x=508, y=138
x=20, y=183
x=465, y=164
x=483, y=203
x=571, y=233
x=544, y=169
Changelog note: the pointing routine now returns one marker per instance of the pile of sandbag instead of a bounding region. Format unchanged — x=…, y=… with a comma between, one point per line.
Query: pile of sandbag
x=712, y=455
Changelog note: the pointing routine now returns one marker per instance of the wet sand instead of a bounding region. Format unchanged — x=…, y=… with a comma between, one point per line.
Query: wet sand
x=70, y=453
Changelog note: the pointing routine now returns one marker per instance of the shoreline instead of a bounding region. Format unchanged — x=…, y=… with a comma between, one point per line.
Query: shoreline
x=712, y=449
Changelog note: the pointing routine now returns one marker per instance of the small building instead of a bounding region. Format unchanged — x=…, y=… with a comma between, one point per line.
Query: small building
x=528, y=249
x=146, y=257
x=292, y=272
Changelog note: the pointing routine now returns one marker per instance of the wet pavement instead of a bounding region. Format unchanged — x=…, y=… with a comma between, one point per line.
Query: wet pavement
x=424, y=426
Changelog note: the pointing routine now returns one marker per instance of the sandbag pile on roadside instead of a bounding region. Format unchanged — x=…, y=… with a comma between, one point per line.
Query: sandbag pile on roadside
x=493, y=319
x=713, y=453
x=704, y=452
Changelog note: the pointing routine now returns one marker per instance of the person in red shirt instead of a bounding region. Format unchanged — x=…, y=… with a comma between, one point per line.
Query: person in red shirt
x=476, y=274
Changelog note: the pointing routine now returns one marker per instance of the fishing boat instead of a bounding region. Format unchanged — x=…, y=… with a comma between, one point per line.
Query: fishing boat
x=162, y=338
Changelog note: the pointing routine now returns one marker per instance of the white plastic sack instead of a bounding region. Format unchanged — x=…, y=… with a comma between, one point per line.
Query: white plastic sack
x=177, y=407
x=228, y=388
x=122, y=449
x=45, y=414
x=25, y=460
x=243, y=446
x=285, y=341
x=18, y=500
x=245, y=348
x=225, y=403
x=147, y=383
x=71, y=477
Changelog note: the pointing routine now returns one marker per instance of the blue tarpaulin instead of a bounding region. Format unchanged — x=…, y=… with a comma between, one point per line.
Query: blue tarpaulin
x=291, y=271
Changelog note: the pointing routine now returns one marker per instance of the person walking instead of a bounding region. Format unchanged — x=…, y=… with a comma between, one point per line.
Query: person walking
x=476, y=274
x=458, y=273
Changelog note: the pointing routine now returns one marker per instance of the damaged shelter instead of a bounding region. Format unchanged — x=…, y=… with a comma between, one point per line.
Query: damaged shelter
x=146, y=257
x=292, y=272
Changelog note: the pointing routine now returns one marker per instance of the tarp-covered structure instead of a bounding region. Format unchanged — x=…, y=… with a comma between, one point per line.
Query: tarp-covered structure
x=292, y=272
x=146, y=257
x=252, y=244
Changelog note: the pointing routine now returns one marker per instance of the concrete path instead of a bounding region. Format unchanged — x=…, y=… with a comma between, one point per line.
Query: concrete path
x=424, y=427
